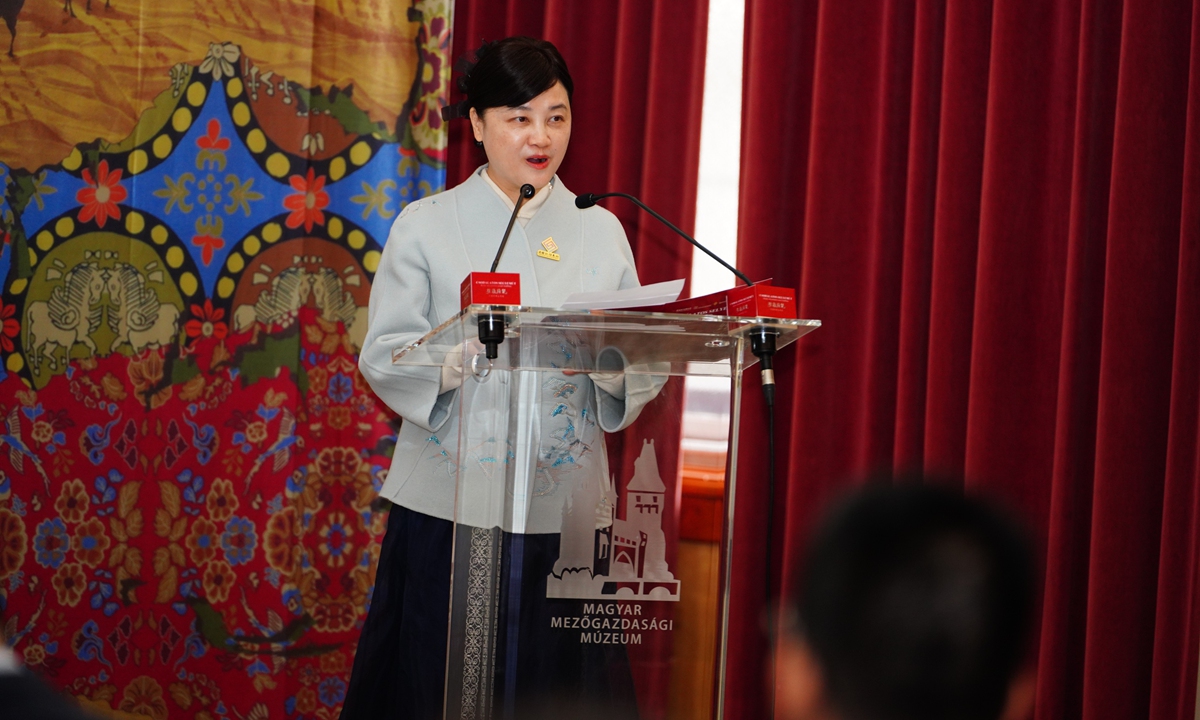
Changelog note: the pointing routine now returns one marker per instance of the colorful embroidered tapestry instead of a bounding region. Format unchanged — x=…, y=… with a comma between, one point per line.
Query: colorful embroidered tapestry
x=195, y=196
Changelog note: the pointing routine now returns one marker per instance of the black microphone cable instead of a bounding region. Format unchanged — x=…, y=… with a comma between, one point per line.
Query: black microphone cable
x=584, y=202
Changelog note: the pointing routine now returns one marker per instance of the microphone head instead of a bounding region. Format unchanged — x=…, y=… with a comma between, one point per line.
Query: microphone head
x=583, y=202
x=527, y=191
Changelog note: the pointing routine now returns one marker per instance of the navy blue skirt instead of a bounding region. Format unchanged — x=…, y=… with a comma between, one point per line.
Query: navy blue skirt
x=400, y=666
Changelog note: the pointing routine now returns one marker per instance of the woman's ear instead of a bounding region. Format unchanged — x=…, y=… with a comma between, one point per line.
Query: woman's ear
x=476, y=125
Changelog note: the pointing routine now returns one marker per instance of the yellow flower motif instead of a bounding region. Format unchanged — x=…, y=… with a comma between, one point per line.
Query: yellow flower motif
x=42, y=432
x=334, y=615
x=13, y=542
x=342, y=465
x=339, y=417
x=69, y=583
x=203, y=541
x=279, y=540
x=34, y=655
x=222, y=500
x=218, y=579
x=256, y=432
x=91, y=542
x=220, y=59
x=72, y=503
x=144, y=696
x=306, y=701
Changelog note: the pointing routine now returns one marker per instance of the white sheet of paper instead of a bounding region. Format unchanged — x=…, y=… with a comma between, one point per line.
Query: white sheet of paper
x=644, y=296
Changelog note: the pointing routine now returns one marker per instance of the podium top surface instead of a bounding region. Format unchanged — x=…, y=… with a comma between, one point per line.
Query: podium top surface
x=652, y=343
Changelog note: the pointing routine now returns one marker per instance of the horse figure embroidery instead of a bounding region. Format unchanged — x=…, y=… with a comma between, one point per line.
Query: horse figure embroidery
x=133, y=304
x=278, y=304
x=137, y=316
x=335, y=304
x=69, y=317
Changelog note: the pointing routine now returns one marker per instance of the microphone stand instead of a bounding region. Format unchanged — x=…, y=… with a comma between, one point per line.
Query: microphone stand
x=491, y=326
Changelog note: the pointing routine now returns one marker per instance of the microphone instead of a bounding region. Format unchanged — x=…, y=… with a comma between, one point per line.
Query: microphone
x=491, y=327
x=584, y=202
x=526, y=193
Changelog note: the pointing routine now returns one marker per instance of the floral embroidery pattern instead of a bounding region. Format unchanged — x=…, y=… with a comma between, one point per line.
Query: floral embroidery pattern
x=308, y=203
x=191, y=455
x=206, y=322
x=101, y=198
x=9, y=327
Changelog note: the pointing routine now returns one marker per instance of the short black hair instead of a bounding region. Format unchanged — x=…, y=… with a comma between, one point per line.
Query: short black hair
x=511, y=72
x=915, y=601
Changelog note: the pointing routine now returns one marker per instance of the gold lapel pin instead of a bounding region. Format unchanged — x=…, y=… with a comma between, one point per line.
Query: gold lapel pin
x=550, y=250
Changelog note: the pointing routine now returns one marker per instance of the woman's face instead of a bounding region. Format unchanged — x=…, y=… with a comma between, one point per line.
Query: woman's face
x=525, y=144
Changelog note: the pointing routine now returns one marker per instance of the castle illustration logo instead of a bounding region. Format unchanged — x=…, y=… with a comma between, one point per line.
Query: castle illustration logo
x=603, y=557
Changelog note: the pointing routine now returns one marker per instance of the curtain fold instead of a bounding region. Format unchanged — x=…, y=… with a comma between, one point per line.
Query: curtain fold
x=993, y=209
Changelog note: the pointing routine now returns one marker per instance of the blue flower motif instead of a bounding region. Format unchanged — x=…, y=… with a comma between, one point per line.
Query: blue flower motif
x=297, y=481
x=50, y=543
x=292, y=600
x=106, y=488
x=193, y=486
x=331, y=691
x=341, y=388
x=258, y=667
x=239, y=540
x=239, y=438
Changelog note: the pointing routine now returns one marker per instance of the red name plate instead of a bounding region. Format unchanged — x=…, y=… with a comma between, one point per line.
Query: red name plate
x=759, y=300
x=482, y=288
x=762, y=301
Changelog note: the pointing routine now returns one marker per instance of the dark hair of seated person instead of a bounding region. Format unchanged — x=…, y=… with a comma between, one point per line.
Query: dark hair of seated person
x=915, y=602
x=511, y=72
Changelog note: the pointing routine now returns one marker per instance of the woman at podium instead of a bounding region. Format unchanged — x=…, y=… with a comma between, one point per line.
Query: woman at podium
x=518, y=101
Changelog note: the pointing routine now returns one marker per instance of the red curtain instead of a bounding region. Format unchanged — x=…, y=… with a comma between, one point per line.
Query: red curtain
x=994, y=207
x=638, y=69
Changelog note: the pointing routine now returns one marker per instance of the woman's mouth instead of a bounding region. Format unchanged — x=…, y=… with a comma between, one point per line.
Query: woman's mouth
x=539, y=162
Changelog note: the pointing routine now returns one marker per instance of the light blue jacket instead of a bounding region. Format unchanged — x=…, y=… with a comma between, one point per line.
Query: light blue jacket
x=508, y=479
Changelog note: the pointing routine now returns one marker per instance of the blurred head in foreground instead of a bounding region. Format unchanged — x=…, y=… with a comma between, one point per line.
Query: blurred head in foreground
x=914, y=604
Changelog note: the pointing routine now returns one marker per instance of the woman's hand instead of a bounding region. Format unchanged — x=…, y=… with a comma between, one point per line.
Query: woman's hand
x=452, y=368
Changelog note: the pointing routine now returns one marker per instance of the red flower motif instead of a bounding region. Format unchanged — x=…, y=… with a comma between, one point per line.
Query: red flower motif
x=306, y=206
x=213, y=140
x=206, y=322
x=100, y=200
x=9, y=327
x=208, y=245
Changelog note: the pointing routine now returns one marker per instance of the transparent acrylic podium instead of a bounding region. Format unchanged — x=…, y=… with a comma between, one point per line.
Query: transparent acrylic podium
x=569, y=587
